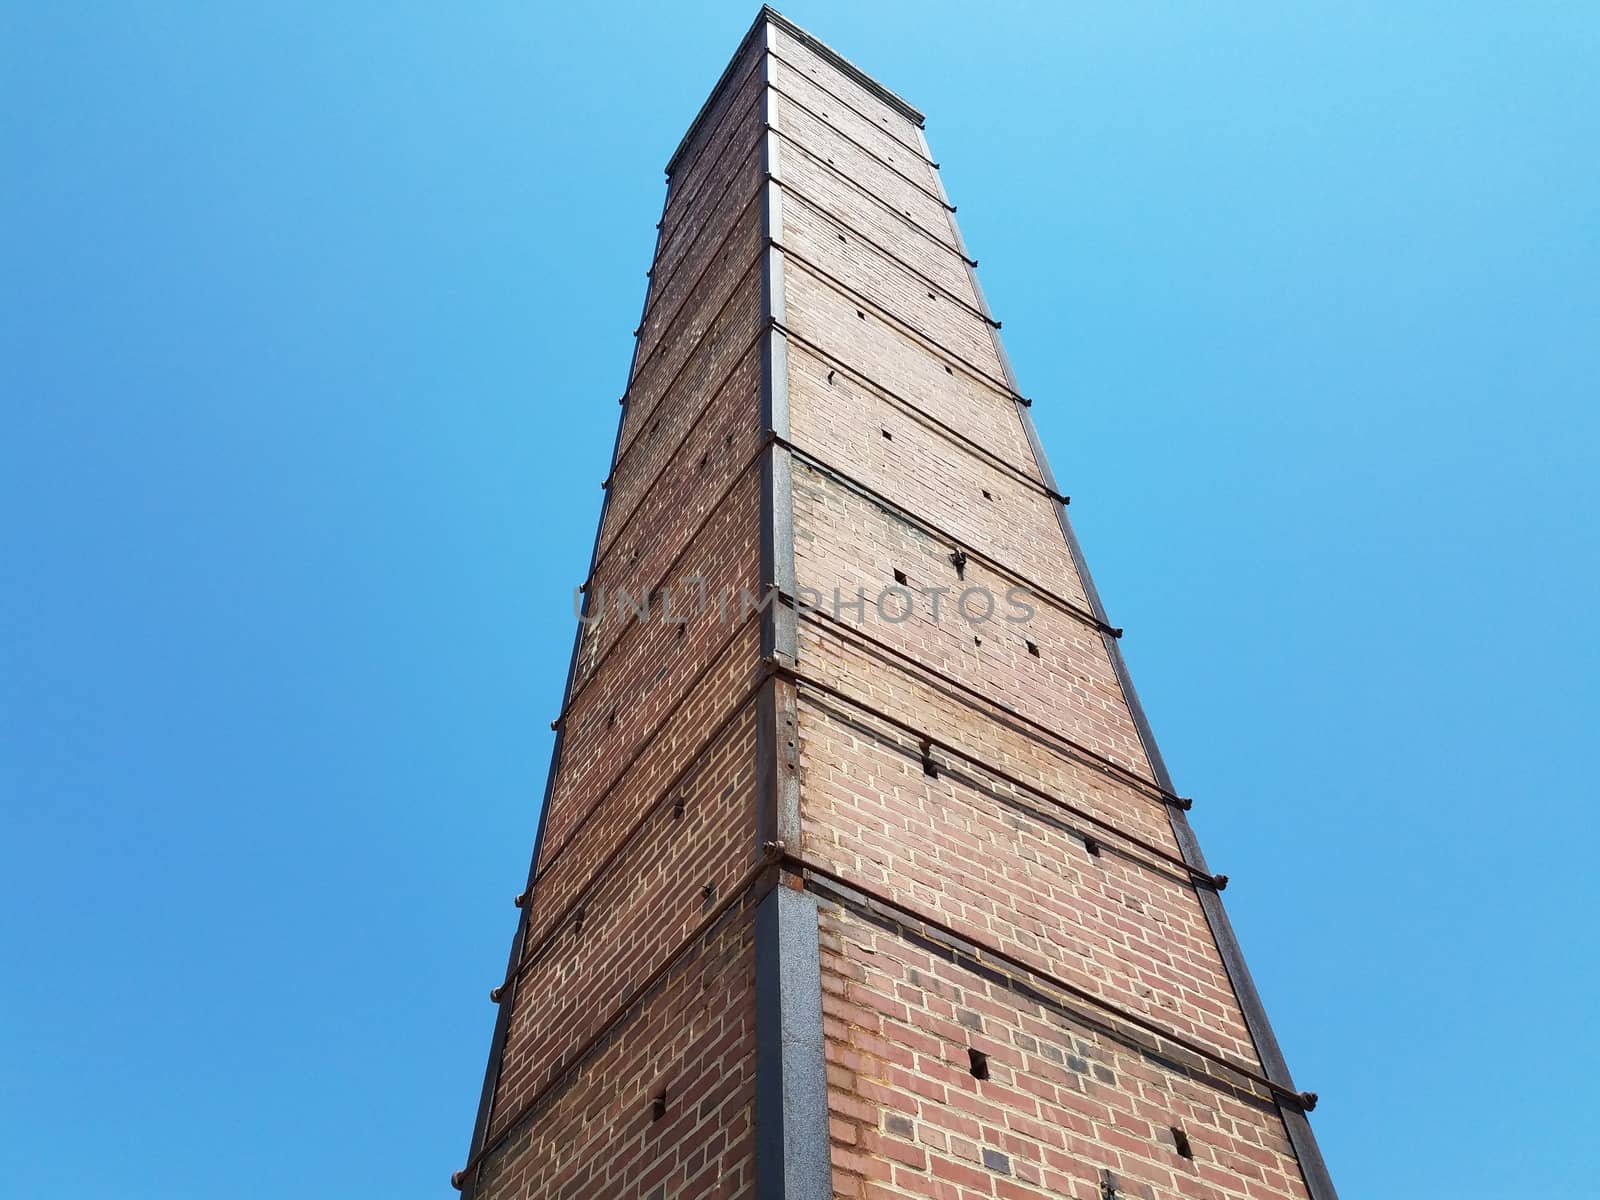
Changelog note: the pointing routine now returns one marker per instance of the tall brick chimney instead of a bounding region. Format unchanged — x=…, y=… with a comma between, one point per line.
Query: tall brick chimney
x=859, y=873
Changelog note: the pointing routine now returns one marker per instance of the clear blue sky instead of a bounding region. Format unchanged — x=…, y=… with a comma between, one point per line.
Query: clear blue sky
x=312, y=322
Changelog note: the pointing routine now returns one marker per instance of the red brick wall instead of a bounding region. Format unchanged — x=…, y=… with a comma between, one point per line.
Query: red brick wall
x=994, y=866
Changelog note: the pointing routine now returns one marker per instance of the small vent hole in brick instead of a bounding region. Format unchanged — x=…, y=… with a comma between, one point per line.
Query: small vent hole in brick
x=900, y=577
x=1092, y=846
x=948, y=371
x=931, y=296
x=887, y=436
x=1033, y=649
x=1180, y=1142
x=978, y=1064
x=986, y=494
x=841, y=237
x=658, y=1106
x=861, y=314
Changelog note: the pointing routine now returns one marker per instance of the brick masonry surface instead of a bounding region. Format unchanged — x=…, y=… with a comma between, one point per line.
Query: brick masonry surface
x=1023, y=991
x=1063, y=1103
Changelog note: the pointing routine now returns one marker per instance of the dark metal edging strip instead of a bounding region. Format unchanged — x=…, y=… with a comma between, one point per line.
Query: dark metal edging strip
x=793, y=1153
x=1307, y=1153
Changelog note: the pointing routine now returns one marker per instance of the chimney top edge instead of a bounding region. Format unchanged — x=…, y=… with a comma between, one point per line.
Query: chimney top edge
x=771, y=16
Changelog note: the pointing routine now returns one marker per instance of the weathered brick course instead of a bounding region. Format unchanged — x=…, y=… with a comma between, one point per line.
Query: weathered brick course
x=1065, y=1101
x=1012, y=871
x=792, y=51
x=913, y=198
x=690, y=1041
x=631, y=914
x=892, y=356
